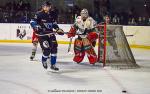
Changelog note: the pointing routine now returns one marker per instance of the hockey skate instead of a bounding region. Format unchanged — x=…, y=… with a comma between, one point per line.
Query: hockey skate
x=31, y=58
x=54, y=68
x=45, y=65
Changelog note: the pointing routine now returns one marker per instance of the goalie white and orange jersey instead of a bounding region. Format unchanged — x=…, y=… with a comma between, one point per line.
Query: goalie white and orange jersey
x=89, y=23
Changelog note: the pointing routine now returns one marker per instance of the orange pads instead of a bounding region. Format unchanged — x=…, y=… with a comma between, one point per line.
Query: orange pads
x=81, y=47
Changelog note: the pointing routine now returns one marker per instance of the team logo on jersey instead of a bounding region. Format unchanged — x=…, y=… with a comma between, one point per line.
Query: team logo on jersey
x=46, y=44
x=48, y=25
x=43, y=20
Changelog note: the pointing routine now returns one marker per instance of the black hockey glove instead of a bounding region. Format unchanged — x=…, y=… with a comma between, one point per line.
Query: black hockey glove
x=60, y=31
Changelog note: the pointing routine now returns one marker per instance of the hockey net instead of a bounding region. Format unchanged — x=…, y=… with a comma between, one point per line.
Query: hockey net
x=113, y=48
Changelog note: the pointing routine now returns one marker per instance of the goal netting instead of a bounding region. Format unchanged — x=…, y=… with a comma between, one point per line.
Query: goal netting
x=113, y=48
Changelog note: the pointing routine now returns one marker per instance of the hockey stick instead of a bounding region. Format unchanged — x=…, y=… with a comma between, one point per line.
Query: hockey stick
x=131, y=35
x=69, y=47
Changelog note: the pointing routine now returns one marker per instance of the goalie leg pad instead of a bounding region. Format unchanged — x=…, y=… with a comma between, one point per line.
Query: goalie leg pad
x=90, y=51
x=78, y=49
x=92, y=56
x=79, y=56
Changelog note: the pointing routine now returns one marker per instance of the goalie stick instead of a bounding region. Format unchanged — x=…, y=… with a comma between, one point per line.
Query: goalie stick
x=69, y=47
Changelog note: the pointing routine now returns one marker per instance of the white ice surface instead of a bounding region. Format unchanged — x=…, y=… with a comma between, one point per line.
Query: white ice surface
x=18, y=75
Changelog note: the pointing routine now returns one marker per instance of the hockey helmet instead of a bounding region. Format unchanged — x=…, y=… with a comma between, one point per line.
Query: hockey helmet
x=47, y=3
x=84, y=13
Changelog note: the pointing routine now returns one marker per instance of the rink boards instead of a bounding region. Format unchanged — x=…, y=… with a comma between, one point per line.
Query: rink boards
x=138, y=36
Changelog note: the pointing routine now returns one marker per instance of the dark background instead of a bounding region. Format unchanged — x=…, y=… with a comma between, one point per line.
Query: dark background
x=126, y=12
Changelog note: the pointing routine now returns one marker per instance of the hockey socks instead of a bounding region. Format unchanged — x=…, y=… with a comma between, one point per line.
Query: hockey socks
x=53, y=62
x=32, y=55
x=53, y=59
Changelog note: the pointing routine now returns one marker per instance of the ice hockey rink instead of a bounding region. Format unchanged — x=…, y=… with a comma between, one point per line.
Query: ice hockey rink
x=19, y=75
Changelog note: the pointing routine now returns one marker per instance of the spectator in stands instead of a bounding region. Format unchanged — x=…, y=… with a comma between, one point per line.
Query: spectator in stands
x=131, y=21
x=144, y=21
x=98, y=18
x=54, y=12
x=12, y=11
x=140, y=21
x=20, y=6
x=27, y=6
x=76, y=11
x=116, y=19
x=8, y=6
x=1, y=14
x=5, y=18
x=107, y=19
x=148, y=23
x=14, y=5
x=22, y=18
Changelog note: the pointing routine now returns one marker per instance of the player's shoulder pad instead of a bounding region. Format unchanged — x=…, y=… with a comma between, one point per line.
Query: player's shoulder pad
x=38, y=13
x=91, y=19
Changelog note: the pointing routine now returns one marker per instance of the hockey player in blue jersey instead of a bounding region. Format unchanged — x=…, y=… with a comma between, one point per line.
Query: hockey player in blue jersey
x=43, y=25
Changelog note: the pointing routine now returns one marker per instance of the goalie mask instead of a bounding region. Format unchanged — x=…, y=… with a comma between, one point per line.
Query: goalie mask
x=84, y=14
